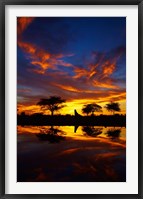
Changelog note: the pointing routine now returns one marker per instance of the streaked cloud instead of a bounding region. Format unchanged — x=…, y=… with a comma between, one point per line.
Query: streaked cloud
x=90, y=75
x=23, y=23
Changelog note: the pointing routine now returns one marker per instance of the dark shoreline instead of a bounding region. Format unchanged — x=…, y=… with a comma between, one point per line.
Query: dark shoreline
x=67, y=120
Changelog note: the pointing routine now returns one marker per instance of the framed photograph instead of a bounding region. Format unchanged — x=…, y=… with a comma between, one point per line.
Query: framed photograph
x=71, y=99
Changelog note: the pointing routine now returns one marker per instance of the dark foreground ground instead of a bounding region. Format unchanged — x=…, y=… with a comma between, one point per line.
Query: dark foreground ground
x=103, y=120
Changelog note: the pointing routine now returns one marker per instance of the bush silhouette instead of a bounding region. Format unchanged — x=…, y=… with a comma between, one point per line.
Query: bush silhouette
x=91, y=108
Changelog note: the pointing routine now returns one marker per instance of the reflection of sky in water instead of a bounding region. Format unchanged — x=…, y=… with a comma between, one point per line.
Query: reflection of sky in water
x=80, y=156
x=69, y=131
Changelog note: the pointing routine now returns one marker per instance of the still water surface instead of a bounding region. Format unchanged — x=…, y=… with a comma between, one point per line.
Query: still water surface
x=71, y=154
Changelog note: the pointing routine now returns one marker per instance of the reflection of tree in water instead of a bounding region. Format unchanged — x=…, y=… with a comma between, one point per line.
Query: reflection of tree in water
x=51, y=130
x=92, y=131
x=113, y=133
x=51, y=135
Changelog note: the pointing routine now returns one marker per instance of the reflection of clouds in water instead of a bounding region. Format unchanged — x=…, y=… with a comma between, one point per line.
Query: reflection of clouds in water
x=97, y=159
x=81, y=132
x=83, y=156
x=57, y=134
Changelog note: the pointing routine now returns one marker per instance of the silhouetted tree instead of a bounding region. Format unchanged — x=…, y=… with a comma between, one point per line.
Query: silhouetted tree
x=51, y=135
x=113, y=107
x=51, y=130
x=91, y=108
x=52, y=103
x=23, y=114
x=86, y=110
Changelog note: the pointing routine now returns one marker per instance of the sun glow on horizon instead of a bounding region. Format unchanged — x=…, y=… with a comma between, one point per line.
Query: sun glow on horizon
x=82, y=70
x=70, y=107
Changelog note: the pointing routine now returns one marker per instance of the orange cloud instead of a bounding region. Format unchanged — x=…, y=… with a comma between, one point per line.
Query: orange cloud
x=43, y=65
x=28, y=109
x=39, y=57
x=105, y=84
x=22, y=23
x=67, y=88
x=28, y=48
x=38, y=71
x=108, y=68
x=88, y=83
x=63, y=63
x=42, y=59
x=97, y=75
x=80, y=72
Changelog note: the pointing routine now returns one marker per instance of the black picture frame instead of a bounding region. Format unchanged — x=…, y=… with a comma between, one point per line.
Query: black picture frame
x=3, y=3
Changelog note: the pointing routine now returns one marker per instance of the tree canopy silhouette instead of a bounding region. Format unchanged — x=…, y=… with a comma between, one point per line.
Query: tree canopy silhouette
x=113, y=107
x=91, y=108
x=53, y=103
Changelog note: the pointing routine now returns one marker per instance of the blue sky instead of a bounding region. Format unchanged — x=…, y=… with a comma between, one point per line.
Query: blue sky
x=74, y=57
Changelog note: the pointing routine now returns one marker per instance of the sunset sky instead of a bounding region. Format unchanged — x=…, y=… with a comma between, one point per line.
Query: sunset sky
x=81, y=59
